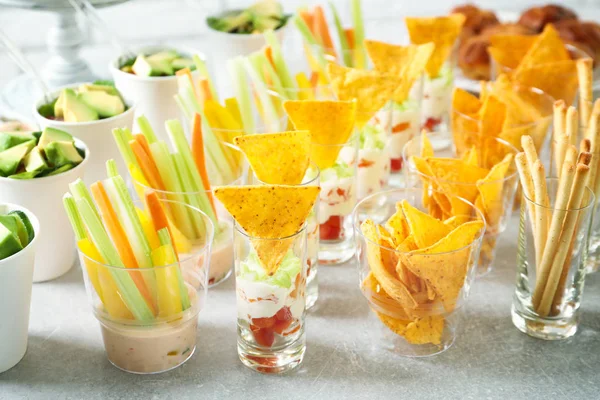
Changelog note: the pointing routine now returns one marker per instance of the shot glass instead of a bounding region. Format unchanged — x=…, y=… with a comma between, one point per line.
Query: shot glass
x=336, y=201
x=425, y=322
x=550, y=279
x=496, y=207
x=149, y=317
x=270, y=308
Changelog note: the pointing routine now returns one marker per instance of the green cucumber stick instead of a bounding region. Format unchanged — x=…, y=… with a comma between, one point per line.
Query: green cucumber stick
x=270, y=116
x=74, y=217
x=179, y=141
x=80, y=191
x=201, y=68
x=190, y=196
x=359, y=35
x=165, y=240
x=346, y=51
x=124, y=148
x=236, y=71
x=260, y=64
x=129, y=292
x=146, y=129
x=167, y=171
x=280, y=65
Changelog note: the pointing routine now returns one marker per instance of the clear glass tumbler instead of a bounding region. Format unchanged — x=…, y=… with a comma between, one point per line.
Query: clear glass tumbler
x=550, y=281
x=271, y=308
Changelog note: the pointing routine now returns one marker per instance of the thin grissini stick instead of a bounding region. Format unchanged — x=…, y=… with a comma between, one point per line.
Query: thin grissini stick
x=585, y=146
x=570, y=156
x=559, y=130
x=568, y=229
x=542, y=213
x=562, y=200
x=527, y=185
x=529, y=149
x=594, y=130
x=572, y=126
x=584, y=75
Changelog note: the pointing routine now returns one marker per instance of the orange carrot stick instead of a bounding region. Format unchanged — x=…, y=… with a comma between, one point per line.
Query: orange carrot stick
x=111, y=221
x=269, y=56
x=144, y=142
x=158, y=215
x=314, y=79
x=198, y=154
x=308, y=18
x=205, y=89
x=350, y=37
x=147, y=165
x=322, y=30
x=186, y=71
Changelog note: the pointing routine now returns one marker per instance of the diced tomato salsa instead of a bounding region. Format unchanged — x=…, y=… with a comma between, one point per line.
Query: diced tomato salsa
x=431, y=124
x=396, y=164
x=332, y=228
x=264, y=329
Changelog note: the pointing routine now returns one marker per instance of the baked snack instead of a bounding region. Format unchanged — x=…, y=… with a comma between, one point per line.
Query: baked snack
x=536, y=18
x=476, y=19
x=583, y=35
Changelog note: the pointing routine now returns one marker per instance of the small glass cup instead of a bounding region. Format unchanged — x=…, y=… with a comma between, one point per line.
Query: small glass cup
x=549, y=308
x=271, y=308
x=336, y=201
x=145, y=326
x=397, y=319
x=312, y=233
x=491, y=151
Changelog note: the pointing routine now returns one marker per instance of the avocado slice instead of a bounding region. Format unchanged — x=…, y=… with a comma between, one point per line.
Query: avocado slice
x=106, y=105
x=90, y=87
x=62, y=169
x=267, y=9
x=262, y=24
x=75, y=110
x=34, y=161
x=11, y=159
x=14, y=224
x=62, y=153
x=167, y=56
x=50, y=135
x=143, y=66
x=181, y=63
x=9, y=243
x=11, y=139
x=26, y=222
x=59, y=105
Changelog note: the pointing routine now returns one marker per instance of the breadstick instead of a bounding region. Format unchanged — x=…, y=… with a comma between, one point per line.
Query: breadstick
x=559, y=131
x=594, y=130
x=572, y=125
x=584, y=75
x=570, y=155
x=577, y=192
x=541, y=209
x=527, y=185
x=529, y=149
x=585, y=146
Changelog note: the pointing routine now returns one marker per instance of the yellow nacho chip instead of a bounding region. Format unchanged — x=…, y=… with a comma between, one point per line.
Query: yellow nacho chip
x=547, y=48
x=425, y=229
x=471, y=157
x=464, y=118
x=371, y=89
x=398, y=226
x=509, y=50
x=425, y=330
x=269, y=212
x=558, y=79
x=490, y=191
x=442, y=31
x=444, y=264
x=277, y=158
x=381, y=301
x=329, y=123
x=456, y=220
x=426, y=146
x=492, y=115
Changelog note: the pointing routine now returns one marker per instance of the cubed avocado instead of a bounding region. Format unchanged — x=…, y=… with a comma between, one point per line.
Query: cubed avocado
x=262, y=24
x=62, y=169
x=11, y=159
x=88, y=87
x=62, y=153
x=267, y=8
x=144, y=67
x=59, y=105
x=34, y=161
x=181, y=63
x=50, y=135
x=14, y=224
x=75, y=110
x=9, y=243
x=11, y=139
x=106, y=105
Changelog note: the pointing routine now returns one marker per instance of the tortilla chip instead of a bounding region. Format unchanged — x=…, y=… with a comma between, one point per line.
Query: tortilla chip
x=269, y=212
x=425, y=229
x=371, y=89
x=471, y=157
x=277, y=158
x=456, y=220
x=392, y=286
x=558, y=79
x=442, y=31
x=509, y=50
x=329, y=123
x=426, y=146
x=492, y=115
x=398, y=226
x=444, y=265
x=405, y=62
x=464, y=118
x=547, y=48
x=425, y=330
x=490, y=191
x=398, y=326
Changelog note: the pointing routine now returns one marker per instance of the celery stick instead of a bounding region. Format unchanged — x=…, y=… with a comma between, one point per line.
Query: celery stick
x=221, y=159
x=165, y=240
x=260, y=63
x=236, y=72
x=346, y=52
x=190, y=195
x=161, y=156
x=201, y=68
x=146, y=129
x=129, y=292
x=124, y=148
x=111, y=168
x=284, y=73
x=74, y=217
x=270, y=117
x=183, y=106
x=80, y=191
x=314, y=47
x=359, y=35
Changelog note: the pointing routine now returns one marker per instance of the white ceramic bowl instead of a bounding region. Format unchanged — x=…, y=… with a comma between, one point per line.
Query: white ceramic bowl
x=97, y=135
x=55, y=249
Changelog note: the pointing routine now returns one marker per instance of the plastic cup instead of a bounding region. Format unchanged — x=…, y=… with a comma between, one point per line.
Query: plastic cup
x=55, y=249
x=16, y=277
x=165, y=337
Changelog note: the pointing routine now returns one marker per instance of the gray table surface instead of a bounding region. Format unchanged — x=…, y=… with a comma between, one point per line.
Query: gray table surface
x=489, y=360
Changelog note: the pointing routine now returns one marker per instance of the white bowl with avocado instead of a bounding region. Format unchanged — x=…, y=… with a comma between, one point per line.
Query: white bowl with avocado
x=89, y=111
x=36, y=169
x=149, y=80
